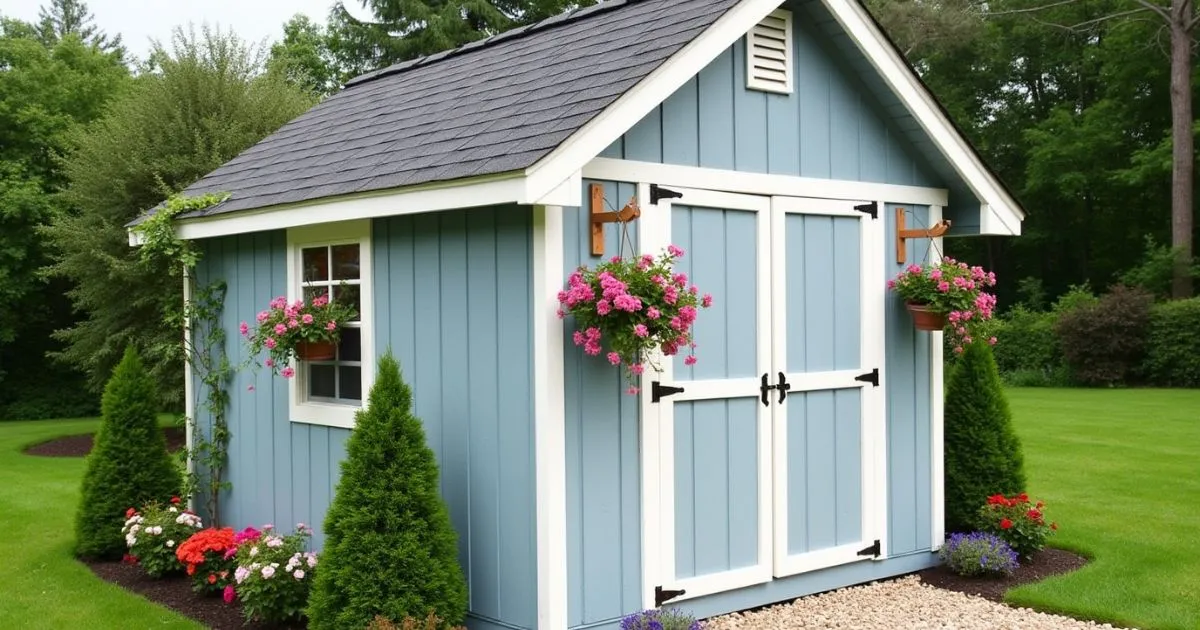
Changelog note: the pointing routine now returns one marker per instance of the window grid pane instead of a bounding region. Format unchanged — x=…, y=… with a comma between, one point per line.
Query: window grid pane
x=340, y=380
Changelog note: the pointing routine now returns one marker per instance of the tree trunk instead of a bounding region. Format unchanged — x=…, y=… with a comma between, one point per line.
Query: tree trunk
x=1183, y=157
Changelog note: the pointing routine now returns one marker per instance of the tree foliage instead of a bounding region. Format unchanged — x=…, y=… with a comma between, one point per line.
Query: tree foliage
x=304, y=56
x=207, y=100
x=983, y=454
x=129, y=465
x=390, y=550
x=64, y=18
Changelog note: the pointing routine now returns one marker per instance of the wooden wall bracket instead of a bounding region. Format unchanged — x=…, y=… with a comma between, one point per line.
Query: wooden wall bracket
x=902, y=234
x=600, y=216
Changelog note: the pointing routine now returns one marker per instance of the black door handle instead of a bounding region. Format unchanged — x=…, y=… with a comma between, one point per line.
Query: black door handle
x=764, y=390
x=784, y=387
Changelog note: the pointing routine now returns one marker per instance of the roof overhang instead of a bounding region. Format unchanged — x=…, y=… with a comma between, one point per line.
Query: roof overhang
x=491, y=190
x=1000, y=213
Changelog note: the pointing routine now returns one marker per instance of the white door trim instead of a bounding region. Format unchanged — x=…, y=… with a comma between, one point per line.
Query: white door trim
x=937, y=406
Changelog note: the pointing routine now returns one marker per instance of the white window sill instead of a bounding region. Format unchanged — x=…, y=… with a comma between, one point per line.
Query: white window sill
x=324, y=414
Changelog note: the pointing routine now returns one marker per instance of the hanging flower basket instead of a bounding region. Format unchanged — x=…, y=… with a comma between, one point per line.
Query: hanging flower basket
x=316, y=350
x=948, y=295
x=633, y=306
x=305, y=331
x=925, y=318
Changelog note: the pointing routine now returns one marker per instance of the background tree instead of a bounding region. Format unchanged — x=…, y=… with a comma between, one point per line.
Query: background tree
x=304, y=57
x=208, y=99
x=406, y=29
x=48, y=90
x=129, y=465
x=71, y=17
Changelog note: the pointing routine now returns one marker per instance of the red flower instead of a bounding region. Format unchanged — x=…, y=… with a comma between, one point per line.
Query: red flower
x=1041, y=504
x=1005, y=523
x=1023, y=498
x=212, y=579
x=1034, y=514
x=191, y=569
x=130, y=512
x=996, y=499
x=128, y=559
x=175, y=500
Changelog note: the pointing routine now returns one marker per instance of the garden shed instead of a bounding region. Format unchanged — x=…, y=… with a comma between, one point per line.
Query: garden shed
x=792, y=154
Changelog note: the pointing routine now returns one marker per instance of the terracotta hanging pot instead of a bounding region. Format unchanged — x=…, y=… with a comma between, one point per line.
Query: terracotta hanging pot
x=926, y=319
x=316, y=350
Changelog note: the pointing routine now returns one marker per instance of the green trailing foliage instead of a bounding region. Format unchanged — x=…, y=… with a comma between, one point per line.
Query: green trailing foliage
x=390, y=549
x=982, y=452
x=129, y=465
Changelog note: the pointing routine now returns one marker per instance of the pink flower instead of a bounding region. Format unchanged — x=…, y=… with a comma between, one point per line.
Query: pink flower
x=637, y=368
x=681, y=279
x=577, y=338
x=657, y=279
x=641, y=331
x=958, y=350
x=628, y=303
x=332, y=325
x=676, y=323
x=674, y=251
x=670, y=295
x=632, y=391
x=690, y=360
x=270, y=343
x=944, y=286
x=614, y=358
x=280, y=329
x=688, y=314
x=891, y=284
x=288, y=372
x=245, y=329
x=603, y=307
x=292, y=323
x=229, y=595
x=320, y=300
x=592, y=334
x=707, y=300
x=279, y=302
x=936, y=274
x=249, y=388
x=561, y=313
x=653, y=313
x=270, y=363
x=263, y=316
x=645, y=262
x=615, y=259
x=307, y=319
x=592, y=348
x=992, y=341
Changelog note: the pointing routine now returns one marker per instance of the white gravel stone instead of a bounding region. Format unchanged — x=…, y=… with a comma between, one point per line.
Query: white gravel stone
x=906, y=603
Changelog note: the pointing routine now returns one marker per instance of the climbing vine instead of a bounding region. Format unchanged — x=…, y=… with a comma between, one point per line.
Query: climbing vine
x=203, y=346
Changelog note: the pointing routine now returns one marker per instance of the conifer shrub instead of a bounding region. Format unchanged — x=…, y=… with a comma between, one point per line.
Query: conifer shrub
x=390, y=550
x=129, y=465
x=982, y=452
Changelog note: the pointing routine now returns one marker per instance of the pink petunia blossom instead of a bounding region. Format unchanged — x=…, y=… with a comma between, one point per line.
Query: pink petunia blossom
x=614, y=358
x=641, y=331
x=263, y=316
x=944, y=286
x=653, y=313
x=591, y=348
x=561, y=313
x=637, y=368
x=280, y=329
x=229, y=595
x=292, y=323
x=681, y=279
x=320, y=300
x=270, y=343
x=270, y=363
x=675, y=251
x=707, y=300
x=577, y=337
x=632, y=391
x=992, y=341
x=690, y=360
x=245, y=329
x=676, y=323
x=332, y=325
x=307, y=319
x=603, y=307
x=288, y=372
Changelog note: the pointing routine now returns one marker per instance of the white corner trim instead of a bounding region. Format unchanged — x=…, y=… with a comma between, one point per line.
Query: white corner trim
x=549, y=419
x=993, y=222
x=189, y=387
x=937, y=407
x=483, y=191
x=359, y=231
x=569, y=193
x=759, y=183
x=635, y=103
x=853, y=18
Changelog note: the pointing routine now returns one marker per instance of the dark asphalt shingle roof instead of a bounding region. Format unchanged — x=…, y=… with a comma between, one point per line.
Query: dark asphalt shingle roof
x=491, y=106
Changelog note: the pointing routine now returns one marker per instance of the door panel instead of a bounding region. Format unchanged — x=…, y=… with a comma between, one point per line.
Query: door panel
x=822, y=277
x=824, y=475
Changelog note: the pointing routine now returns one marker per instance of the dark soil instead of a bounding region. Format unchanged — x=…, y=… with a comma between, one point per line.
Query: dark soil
x=176, y=593
x=1045, y=563
x=81, y=445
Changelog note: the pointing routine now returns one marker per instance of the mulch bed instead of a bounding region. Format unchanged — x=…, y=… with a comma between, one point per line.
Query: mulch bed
x=176, y=593
x=81, y=445
x=1045, y=563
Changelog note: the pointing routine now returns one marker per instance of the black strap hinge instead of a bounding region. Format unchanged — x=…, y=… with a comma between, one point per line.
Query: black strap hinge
x=871, y=377
x=872, y=551
x=658, y=193
x=661, y=596
x=869, y=208
x=658, y=391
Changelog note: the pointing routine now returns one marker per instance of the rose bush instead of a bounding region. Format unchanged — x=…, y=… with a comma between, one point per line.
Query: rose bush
x=153, y=534
x=633, y=306
x=209, y=557
x=1018, y=521
x=953, y=289
x=283, y=327
x=273, y=574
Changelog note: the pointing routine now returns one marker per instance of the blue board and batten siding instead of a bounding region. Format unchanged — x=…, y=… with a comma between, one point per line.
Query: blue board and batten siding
x=452, y=298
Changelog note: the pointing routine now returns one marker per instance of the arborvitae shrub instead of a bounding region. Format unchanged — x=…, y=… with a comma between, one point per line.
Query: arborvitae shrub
x=1173, y=347
x=1105, y=344
x=390, y=550
x=982, y=452
x=129, y=465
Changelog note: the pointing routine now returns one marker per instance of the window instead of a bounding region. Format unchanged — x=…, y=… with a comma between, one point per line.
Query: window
x=333, y=260
x=769, y=54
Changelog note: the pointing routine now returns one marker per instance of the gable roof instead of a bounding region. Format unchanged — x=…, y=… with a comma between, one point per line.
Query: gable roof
x=492, y=106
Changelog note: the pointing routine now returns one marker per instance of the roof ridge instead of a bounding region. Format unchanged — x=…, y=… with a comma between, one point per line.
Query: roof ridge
x=566, y=17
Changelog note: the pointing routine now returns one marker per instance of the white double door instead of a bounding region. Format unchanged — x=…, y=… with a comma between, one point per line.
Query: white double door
x=765, y=458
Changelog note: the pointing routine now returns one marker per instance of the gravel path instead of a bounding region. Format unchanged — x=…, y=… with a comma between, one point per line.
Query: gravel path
x=903, y=604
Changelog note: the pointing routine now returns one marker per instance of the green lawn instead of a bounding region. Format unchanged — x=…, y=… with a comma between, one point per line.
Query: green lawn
x=1120, y=472
x=44, y=587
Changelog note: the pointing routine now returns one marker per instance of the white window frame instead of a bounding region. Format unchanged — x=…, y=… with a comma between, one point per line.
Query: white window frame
x=300, y=409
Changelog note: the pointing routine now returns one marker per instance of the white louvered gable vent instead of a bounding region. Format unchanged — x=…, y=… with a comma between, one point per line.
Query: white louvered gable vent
x=769, y=54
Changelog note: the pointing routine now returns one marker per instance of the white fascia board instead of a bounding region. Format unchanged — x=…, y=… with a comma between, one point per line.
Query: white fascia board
x=638, y=101
x=509, y=188
x=854, y=20
x=610, y=169
x=568, y=194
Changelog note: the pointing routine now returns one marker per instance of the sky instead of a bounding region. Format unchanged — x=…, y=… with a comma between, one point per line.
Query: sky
x=140, y=20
